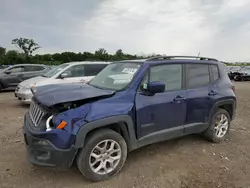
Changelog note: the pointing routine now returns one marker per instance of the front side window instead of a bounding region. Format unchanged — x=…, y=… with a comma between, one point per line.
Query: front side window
x=170, y=75
x=55, y=70
x=197, y=75
x=115, y=76
x=75, y=71
x=16, y=69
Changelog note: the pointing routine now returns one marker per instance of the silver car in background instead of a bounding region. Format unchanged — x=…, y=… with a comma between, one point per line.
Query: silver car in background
x=65, y=73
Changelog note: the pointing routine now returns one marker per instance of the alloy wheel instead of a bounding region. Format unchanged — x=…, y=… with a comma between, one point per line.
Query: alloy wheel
x=105, y=157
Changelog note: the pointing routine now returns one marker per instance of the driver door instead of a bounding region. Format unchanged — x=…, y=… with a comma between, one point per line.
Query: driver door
x=162, y=115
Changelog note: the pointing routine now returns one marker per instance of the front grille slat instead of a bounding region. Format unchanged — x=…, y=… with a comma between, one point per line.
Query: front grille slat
x=38, y=116
x=36, y=113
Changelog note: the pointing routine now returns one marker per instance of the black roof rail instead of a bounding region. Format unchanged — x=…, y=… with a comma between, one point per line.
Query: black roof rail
x=187, y=57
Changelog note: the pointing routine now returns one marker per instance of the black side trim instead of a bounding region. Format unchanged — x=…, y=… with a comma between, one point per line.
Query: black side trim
x=121, y=119
x=160, y=136
x=195, y=128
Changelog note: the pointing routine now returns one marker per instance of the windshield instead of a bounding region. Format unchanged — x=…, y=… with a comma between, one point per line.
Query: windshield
x=115, y=76
x=55, y=70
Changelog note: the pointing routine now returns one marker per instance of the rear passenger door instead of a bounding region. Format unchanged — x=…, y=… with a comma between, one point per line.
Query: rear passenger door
x=201, y=92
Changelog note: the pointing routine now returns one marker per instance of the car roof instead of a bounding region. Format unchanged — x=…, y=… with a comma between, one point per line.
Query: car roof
x=174, y=59
x=29, y=65
x=87, y=62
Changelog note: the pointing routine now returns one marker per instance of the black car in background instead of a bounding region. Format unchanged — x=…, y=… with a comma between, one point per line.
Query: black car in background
x=243, y=75
x=238, y=73
x=13, y=75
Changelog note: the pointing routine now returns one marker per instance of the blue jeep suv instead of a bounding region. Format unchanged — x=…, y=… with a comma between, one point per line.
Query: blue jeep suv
x=129, y=104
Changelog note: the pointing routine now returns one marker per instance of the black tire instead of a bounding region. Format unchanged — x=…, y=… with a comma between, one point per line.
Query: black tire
x=1, y=87
x=210, y=133
x=82, y=159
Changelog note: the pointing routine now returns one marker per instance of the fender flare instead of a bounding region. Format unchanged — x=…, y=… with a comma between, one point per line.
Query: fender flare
x=230, y=101
x=125, y=122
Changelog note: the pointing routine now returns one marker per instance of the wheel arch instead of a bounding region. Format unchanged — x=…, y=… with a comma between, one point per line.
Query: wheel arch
x=123, y=124
x=228, y=104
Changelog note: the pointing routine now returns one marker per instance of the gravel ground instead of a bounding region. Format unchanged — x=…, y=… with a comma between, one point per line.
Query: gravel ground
x=186, y=162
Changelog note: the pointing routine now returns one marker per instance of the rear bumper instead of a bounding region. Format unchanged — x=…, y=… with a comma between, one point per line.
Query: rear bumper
x=42, y=152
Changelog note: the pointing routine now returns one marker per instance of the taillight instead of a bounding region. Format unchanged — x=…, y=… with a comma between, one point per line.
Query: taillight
x=233, y=88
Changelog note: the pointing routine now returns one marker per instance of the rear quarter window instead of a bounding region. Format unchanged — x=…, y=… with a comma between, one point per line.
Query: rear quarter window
x=214, y=72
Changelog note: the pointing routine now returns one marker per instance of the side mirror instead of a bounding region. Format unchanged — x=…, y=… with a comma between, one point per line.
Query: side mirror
x=7, y=72
x=156, y=87
x=64, y=75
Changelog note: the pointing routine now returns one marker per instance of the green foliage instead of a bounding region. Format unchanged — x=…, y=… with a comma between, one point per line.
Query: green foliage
x=28, y=46
x=13, y=57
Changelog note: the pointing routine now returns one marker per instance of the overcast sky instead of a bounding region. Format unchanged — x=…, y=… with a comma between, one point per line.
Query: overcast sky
x=217, y=28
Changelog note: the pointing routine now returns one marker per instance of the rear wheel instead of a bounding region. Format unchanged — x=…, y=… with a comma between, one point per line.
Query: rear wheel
x=1, y=87
x=219, y=126
x=104, y=155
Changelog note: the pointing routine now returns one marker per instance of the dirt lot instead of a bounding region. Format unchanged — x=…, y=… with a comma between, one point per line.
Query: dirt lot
x=187, y=162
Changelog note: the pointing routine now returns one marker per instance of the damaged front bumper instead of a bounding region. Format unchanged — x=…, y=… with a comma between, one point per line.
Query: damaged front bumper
x=42, y=152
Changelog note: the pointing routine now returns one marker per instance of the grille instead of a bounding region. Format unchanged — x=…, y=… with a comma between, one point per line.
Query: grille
x=36, y=113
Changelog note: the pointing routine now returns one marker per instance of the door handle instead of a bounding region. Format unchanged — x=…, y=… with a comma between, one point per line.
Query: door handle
x=212, y=93
x=178, y=98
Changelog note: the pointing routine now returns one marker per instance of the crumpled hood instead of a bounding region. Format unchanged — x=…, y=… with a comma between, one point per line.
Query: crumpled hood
x=50, y=95
x=33, y=80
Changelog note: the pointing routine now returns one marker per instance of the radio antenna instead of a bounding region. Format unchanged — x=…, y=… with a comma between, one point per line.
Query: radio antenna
x=198, y=55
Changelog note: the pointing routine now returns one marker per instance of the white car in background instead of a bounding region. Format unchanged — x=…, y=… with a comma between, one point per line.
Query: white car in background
x=71, y=72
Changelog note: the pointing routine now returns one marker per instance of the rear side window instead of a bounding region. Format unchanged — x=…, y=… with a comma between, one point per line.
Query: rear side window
x=197, y=75
x=16, y=69
x=33, y=68
x=214, y=72
x=93, y=69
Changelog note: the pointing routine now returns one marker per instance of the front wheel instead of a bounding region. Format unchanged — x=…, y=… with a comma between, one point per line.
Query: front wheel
x=219, y=126
x=104, y=155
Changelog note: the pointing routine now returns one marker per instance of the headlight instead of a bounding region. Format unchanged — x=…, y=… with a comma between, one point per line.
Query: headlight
x=32, y=85
x=48, y=128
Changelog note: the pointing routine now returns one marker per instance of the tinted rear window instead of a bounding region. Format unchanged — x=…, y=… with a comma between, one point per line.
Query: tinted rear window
x=197, y=75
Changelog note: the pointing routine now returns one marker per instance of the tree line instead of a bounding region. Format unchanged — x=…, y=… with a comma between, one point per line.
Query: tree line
x=27, y=48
